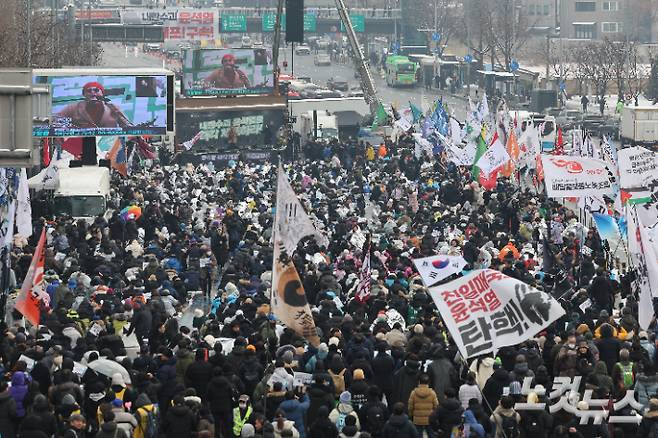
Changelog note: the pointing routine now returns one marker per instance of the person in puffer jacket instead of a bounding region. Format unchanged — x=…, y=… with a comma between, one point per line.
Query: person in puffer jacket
x=19, y=389
x=521, y=370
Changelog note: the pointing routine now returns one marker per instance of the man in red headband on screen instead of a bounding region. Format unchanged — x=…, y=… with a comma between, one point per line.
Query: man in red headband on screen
x=93, y=112
x=229, y=76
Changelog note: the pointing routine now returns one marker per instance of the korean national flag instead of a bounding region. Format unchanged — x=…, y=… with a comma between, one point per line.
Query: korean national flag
x=436, y=268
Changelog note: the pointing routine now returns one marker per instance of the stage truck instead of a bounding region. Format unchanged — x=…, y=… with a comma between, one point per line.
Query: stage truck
x=349, y=112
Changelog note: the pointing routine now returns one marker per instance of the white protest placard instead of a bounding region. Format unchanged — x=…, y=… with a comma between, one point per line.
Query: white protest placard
x=568, y=176
x=300, y=379
x=637, y=165
x=79, y=369
x=585, y=305
x=227, y=345
x=486, y=310
x=29, y=362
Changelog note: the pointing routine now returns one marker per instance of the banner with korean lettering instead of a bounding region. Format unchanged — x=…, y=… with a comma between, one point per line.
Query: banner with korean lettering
x=180, y=24
x=568, y=176
x=638, y=174
x=486, y=310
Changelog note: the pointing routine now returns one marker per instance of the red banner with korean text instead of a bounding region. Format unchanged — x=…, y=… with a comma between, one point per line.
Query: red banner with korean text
x=486, y=310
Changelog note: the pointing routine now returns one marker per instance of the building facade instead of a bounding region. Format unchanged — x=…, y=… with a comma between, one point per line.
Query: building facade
x=612, y=19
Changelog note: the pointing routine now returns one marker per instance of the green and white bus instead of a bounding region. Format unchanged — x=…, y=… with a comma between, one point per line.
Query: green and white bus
x=400, y=71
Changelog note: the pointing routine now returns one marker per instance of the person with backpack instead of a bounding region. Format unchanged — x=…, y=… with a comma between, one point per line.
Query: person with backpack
x=337, y=372
x=422, y=403
x=374, y=414
x=124, y=420
x=147, y=416
x=624, y=372
x=342, y=410
x=506, y=419
x=323, y=427
x=535, y=424
x=110, y=428
x=399, y=425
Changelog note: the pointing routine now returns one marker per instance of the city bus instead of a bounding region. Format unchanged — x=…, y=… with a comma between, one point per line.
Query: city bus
x=400, y=71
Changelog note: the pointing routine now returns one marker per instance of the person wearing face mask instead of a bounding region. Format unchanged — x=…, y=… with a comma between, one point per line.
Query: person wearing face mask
x=241, y=414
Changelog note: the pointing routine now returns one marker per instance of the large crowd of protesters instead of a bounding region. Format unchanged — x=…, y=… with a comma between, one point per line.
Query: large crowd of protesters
x=189, y=282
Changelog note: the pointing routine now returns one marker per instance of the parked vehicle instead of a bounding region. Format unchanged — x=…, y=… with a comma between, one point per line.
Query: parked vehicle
x=322, y=59
x=338, y=84
x=302, y=49
x=639, y=125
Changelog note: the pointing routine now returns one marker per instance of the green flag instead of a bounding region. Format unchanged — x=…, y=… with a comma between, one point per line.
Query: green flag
x=416, y=112
x=380, y=117
x=481, y=149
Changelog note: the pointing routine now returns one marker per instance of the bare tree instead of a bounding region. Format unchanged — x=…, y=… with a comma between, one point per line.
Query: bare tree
x=438, y=15
x=475, y=29
x=509, y=30
x=594, y=64
x=40, y=40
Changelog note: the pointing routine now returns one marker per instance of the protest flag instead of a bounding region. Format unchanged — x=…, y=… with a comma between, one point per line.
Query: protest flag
x=416, y=112
x=380, y=117
x=33, y=290
x=486, y=310
x=117, y=156
x=436, y=268
x=291, y=224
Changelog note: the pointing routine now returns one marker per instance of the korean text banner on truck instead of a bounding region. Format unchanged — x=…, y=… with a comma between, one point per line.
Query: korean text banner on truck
x=105, y=105
x=209, y=72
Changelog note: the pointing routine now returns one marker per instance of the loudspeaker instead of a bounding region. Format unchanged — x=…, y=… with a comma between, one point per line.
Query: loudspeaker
x=295, y=21
x=89, y=151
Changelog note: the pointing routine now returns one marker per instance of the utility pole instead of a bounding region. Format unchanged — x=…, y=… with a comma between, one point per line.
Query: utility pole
x=29, y=33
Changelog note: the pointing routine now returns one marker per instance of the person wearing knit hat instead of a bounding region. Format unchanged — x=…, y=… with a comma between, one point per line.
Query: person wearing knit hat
x=582, y=329
x=95, y=111
x=418, y=329
x=358, y=374
x=342, y=410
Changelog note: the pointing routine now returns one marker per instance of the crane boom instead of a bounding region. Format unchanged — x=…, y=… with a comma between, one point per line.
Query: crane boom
x=365, y=77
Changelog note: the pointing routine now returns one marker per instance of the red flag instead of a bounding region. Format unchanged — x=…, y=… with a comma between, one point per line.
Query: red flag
x=46, y=152
x=33, y=290
x=488, y=182
x=559, y=144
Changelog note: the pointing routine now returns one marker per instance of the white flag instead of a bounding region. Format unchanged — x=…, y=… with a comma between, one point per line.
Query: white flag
x=493, y=158
x=292, y=223
x=436, y=268
x=645, y=261
x=486, y=310
x=462, y=156
x=23, y=207
x=455, y=131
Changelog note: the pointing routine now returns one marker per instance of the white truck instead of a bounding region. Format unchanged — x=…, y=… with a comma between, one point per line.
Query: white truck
x=639, y=125
x=82, y=192
x=348, y=111
x=327, y=126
